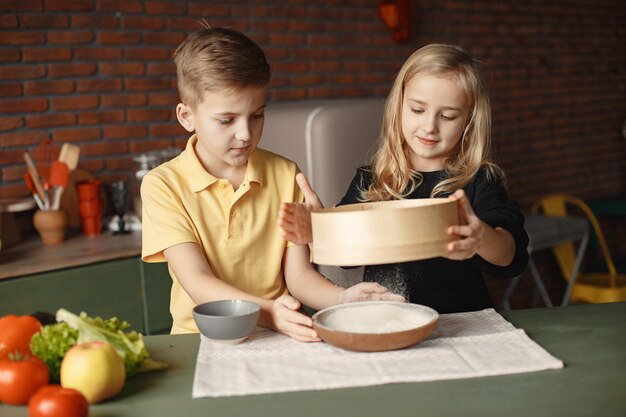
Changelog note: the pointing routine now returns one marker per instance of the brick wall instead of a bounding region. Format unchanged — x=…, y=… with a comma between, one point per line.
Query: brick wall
x=99, y=73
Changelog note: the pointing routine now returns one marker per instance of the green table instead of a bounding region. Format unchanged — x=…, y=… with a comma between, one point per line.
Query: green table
x=590, y=339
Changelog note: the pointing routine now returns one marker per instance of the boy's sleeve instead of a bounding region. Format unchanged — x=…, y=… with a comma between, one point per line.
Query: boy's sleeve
x=164, y=220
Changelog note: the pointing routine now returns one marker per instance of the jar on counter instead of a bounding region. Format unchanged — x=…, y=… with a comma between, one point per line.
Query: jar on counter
x=145, y=162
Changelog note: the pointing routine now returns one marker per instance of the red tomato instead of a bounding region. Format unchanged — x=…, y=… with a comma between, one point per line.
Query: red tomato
x=15, y=333
x=56, y=401
x=20, y=377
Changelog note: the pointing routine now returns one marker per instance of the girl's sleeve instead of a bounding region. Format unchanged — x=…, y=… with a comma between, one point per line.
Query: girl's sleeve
x=493, y=206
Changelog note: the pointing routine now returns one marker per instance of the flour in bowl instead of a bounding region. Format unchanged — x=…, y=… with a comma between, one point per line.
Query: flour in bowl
x=376, y=318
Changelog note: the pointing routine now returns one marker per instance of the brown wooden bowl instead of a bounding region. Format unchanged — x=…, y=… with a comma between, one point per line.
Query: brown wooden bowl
x=382, y=232
x=375, y=326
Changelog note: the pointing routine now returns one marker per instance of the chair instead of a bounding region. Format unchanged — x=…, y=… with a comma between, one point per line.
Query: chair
x=590, y=287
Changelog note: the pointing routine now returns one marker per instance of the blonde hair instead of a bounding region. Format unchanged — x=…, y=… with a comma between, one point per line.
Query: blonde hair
x=393, y=177
x=218, y=58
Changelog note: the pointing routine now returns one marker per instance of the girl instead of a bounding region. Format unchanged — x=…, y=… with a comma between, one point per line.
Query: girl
x=434, y=142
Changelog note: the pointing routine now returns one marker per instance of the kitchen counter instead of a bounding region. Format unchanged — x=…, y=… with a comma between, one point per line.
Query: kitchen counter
x=101, y=275
x=590, y=339
x=31, y=256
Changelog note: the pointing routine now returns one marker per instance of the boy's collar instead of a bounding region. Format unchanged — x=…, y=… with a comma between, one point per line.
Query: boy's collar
x=199, y=178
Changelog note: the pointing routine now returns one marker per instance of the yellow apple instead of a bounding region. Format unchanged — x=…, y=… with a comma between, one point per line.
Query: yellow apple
x=95, y=369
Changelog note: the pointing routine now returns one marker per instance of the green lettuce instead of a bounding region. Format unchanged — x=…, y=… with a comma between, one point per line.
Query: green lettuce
x=55, y=340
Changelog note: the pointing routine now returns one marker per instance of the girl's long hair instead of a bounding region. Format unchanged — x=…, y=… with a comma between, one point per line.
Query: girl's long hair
x=393, y=177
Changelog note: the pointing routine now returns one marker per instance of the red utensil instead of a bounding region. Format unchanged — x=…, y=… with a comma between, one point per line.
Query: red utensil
x=58, y=181
x=33, y=191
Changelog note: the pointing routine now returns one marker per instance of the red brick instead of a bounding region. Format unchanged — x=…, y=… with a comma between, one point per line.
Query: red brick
x=75, y=134
x=101, y=117
x=11, y=157
x=15, y=190
x=183, y=23
x=149, y=54
x=164, y=99
x=324, y=40
x=10, y=89
x=70, y=37
x=307, y=79
x=13, y=174
x=274, y=54
x=25, y=138
x=123, y=100
x=122, y=68
x=143, y=22
x=8, y=55
x=286, y=39
x=208, y=10
x=309, y=53
x=83, y=86
x=98, y=53
x=73, y=69
x=126, y=6
x=75, y=102
x=254, y=11
x=90, y=165
x=148, y=115
x=167, y=130
x=104, y=148
x=21, y=38
x=290, y=67
x=119, y=164
x=8, y=21
x=270, y=25
x=46, y=54
x=151, y=145
x=94, y=21
x=164, y=38
x=118, y=38
x=167, y=8
x=69, y=5
x=23, y=105
x=10, y=123
x=292, y=94
x=21, y=6
x=50, y=120
x=125, y=132
x=162, y=69
x=44, y=21
x=48, y=87
x=146, y=84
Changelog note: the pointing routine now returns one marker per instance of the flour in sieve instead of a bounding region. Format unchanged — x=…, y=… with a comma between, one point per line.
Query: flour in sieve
x=376, y=318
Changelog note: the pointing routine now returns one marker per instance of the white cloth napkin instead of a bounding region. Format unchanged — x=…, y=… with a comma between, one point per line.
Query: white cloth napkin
x=464, y=345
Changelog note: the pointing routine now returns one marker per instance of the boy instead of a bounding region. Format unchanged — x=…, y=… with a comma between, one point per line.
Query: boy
x=211, y=212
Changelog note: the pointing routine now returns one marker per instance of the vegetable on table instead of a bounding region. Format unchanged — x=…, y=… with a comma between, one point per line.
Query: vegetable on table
x=56, y=401
x=52, y=343
x=20, y=377
x=16, y=332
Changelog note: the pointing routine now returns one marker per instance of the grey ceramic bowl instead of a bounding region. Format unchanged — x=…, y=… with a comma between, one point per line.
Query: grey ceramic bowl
x=227, y=321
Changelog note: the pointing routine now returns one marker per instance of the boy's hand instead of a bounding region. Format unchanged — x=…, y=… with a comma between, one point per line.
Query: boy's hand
x=471, y=230
x=289, y=321
x=294, y=219
x=368, y=291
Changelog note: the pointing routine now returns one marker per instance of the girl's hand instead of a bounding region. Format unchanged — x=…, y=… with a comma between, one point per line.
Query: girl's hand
x=471, y=230
x=294, y=219
x=368, y=291
x=288, y=320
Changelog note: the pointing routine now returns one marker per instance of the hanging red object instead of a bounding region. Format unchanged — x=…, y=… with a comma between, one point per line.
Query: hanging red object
x=396, y=15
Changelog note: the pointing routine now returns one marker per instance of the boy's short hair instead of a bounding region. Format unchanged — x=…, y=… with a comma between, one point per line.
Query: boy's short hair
x=218, y=58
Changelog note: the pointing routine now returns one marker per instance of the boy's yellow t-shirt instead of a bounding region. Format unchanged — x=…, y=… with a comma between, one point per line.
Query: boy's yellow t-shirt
x=236, y=230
